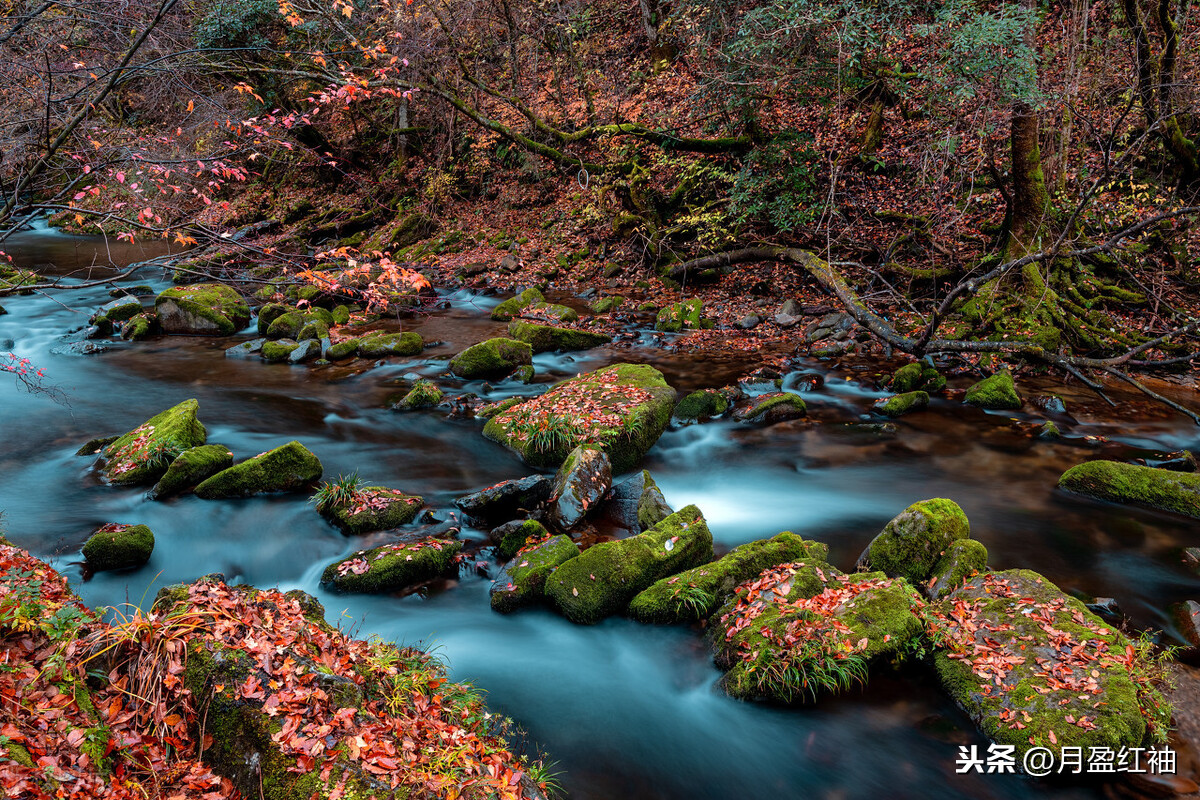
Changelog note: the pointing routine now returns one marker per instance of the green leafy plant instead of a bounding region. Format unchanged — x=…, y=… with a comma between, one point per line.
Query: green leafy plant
x=693, y=600
x=337, y=493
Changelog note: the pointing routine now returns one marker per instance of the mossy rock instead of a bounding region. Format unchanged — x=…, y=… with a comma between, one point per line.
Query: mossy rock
x=773, y=408
x=270, y=313
x=701, y=405
x=579, y=485
x=1149, y=487
x=995, y=393
x=606, y=577
x=492, y=409
x=901, y=404
x=278, y=351
x=139, y=327
x=917, y=376
x=118, y=310
x=513, y=305
x=119, y=547
x=680, y=316
x=12, y=278
x=652, y=507
x=143, y=454
x=289, y=468
x=697, y=593
x=627, y=407
x=374, y=508
x=607, y=304
x=523, y=374
x=804, y=629
x=523, y=581
x=191, y=467
x=963, y=559
x=343, y=349
x=392, y=567
x=507, y=499
x=492, y=359
x=408, y=343
x=299, y=325
x=544, y=338
x=93, y=446
x=205, y=309
x=911, y=544
x=424, y=394
x=1034, y=668
x=340, y=315
x=550, y=311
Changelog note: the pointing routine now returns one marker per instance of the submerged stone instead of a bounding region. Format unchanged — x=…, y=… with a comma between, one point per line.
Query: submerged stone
x=1151, y=487
x=191, y=467
x=289, y=468
x=996, y=392
x=392, y=567
x=492, y=359
x=143, y=454
x=246, y=349
x=523, y=580
x=206, y=309
x=119, y=547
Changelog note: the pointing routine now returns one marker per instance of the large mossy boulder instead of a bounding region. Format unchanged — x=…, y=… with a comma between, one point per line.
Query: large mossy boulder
x=912, y=544
x=408, y=343
x=144, y=454
x=605, y=578
x=371, y=508
x=507, y=499
x=579, y=485
x=623, y=409
x=772, y=408
x=522, y=582
x=288, y=468
x=492, y=359
x=513, y=305
x=680, y=316
x=1034, y=668
x=191, y=468
x=1149, y=487
x=997, y=392
x=392, y=567
x=804, y=629
x=204, y=309
x=697, y=593
x=544, y=338
x=118, y=547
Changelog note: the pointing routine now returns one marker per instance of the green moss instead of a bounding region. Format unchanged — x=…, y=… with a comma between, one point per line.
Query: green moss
x=1163, y=489
x=698, y=592
x=119, y=310
x=602, y=581
x=143, y=454
x=119, y=547
x=202, y=308
x=340, y=315
x=374, y=508
x=424, y=394
x=700, y=405
x=19, y=754
x=1012, y=609
x=408, y=343
x=93, y=446
x=774, y=408
x=523, y=581
x=271, y=312
x=492, y=409
x=523, y=374
x=492, y=359
x=517, y=537
x=343, y=349
x=606, y=304
x=652, y=507
x=996, y=392
x=513, y=306
x=191, y=467
x=392, y=567
x=313, y=329
x=139, y=327
x=615, y=390
x=901, y=404
x=961, y=560
x=543, y=338
x=677, y=317
x=554, y=311
x=290, y=467
x=911, y=544
x=917, y=376
x=281, y=350
x=299, y=325
x=1049, y=430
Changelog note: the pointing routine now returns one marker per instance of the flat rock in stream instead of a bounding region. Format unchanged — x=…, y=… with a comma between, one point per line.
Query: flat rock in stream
x=1150, y=487
x=372, y=508
x=392, y=567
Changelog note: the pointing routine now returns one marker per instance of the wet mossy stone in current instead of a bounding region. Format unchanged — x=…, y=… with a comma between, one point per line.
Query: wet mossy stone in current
x=289, y=468
x=550, y=311
x=118, y=310
x=1149, y=487
x=995, y=393
x=119, y=547
x=93, y=446
x=246, y=349
x=917, y=376
x=343, y=349
x=911, y=544
x=522, y=582
x=1034, y=668
x=139, y=327
x=697, y=593
x=512, y=536
x=601, y=582
x=392, y=567
x=701, y=405
x=492, y=359
x=677, y=317
x=278, y=351
x=191, y=467
x=424, y=394
x=803, y=629
x=652, y=507
x=963, y=559
x=623, y=408
x=373, y=508
x=773, y=408
x=269, y=313
x=513, y=305
x=543, y=338
x=408, y=343
x=143, y=454
x=207, y=309
x=901, y=404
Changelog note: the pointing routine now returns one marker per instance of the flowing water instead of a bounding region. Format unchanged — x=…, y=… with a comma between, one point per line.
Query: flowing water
x=627, y=711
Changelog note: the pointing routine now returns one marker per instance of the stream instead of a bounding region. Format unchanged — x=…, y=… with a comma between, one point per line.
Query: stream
x=626, y=710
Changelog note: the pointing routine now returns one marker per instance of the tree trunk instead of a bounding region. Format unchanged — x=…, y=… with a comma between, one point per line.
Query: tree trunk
x=1029, y=198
